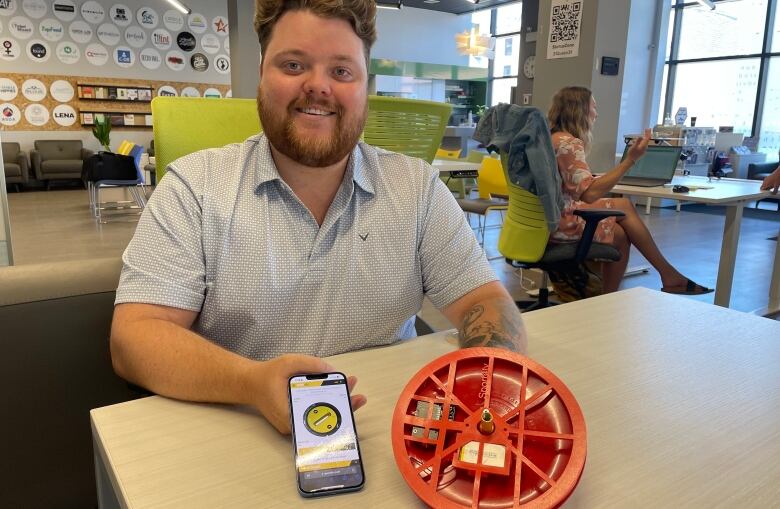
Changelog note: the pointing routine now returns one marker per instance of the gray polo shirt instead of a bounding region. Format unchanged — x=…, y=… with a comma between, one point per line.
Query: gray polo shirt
x=224, y=235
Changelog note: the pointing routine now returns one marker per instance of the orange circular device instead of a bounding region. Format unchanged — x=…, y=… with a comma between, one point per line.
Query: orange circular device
x=486, y=427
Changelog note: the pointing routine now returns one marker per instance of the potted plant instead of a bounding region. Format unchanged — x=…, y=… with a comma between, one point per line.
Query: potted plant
x=479, y=110
x=102, y=132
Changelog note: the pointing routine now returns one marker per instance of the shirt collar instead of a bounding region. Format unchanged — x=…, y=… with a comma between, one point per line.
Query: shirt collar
x=362, y=167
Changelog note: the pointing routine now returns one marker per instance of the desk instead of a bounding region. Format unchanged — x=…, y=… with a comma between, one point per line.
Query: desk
x=457, y=169
x=733, y=193
x=680, y=400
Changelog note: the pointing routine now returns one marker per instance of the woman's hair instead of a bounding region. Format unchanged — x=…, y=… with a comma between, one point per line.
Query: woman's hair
x=360, y=14
x=570, y=111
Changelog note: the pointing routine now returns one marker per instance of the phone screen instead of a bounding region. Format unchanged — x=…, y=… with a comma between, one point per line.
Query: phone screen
x=327, y=455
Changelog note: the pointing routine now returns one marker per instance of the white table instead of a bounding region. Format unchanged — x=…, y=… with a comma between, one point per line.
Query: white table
x=680, y=401
x=449, y=166
x=733, y=194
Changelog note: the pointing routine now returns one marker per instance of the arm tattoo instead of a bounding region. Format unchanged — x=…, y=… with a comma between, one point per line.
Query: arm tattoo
x=479, y=331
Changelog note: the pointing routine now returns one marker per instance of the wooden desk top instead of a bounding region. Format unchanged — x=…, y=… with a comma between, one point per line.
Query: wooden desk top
x=723, y=191
x=681, y=401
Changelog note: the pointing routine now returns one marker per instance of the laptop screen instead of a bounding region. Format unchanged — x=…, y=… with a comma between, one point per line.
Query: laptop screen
x=659, y=162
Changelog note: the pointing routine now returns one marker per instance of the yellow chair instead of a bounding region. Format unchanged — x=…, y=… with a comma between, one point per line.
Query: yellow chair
x=493, y=194
x=183, y=125
x=442, y=153
x=408, y=126
x=524, y=240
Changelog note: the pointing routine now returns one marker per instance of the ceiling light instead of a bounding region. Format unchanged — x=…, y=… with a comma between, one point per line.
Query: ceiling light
x=475, y=2
x=397, y=4
x=180, y=6
x=471, y=42
x=707, y=3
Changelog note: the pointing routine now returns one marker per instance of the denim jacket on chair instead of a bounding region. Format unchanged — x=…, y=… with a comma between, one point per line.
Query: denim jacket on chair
x=522, y=132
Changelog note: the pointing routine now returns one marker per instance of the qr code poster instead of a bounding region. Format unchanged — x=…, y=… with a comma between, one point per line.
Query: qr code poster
x=565, y=21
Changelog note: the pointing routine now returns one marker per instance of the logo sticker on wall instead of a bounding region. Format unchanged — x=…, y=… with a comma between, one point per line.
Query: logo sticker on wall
x=36, y=115
x=36, y=9
x=190, y=92
x=64, y=10
x=61, y=90
x=175, y=60
x=80, y=31
x=199, y=62
x=219, y=25
x=96, y=54
x=108, y=34
x=93, y=12
x=150, y=58
x=9, y=114
x=34, y=90
x=147, y=17
x=210, y=43
x=9, y=49
x=20, y=27
x=64, y=115
x=167, y=91
x=68, y=53
x=120, y=14
x=135, y=37
x=38, y=50
x=124, y=56
x=186, y=41
x=173, y=20
x=161, y=39
x=222, y=64
x=212, y=92
x=51, y=29
x=7, y=7
x=8, y=89
x=197, y=23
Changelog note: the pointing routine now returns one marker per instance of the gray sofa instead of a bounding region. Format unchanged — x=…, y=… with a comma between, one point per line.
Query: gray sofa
x=58, y=160
x=55, y=321
x=15, y=163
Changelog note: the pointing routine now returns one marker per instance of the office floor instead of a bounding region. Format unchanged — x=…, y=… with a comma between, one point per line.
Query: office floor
x=56, y=226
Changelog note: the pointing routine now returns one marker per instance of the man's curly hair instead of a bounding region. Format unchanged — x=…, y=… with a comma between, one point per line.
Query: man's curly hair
x=360, y=14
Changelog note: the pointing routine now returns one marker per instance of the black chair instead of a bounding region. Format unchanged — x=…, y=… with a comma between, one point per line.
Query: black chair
x=760, y=172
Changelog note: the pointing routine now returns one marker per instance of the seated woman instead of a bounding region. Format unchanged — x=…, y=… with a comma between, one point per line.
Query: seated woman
x=571, y=118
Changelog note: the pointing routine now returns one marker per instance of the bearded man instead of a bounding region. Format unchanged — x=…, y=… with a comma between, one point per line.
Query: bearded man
x=253, y=261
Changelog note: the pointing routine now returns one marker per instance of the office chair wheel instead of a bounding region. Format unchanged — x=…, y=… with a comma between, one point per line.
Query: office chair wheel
x=486, y=427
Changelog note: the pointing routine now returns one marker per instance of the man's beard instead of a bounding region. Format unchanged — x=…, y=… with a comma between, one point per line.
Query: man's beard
x=317, y=152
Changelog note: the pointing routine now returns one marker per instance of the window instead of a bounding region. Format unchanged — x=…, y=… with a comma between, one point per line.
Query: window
x=724, y=68
x=503, y=69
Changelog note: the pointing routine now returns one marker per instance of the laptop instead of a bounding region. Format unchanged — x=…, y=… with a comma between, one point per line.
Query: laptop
x=656, y=168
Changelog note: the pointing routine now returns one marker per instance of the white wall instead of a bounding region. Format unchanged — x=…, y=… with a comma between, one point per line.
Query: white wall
x=419, y=35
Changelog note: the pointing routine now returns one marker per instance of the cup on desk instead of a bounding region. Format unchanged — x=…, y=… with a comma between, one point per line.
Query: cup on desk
x=693, y=121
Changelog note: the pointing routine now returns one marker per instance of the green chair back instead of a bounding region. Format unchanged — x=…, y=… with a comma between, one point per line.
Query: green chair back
x=408, y=126
x=183, y=125
x=524, y=235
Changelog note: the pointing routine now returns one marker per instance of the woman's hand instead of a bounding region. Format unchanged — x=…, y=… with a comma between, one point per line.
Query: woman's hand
x=639, y=147
x=772, y=182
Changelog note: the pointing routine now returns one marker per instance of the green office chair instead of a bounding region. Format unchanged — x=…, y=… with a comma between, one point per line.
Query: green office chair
x=524, y=242
x=183, y=125
x=408, y=126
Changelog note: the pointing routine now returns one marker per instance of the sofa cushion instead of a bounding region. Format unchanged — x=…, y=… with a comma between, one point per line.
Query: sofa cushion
x=12, y=170
x=10, y=151
x=52, y=166
x=59, y=149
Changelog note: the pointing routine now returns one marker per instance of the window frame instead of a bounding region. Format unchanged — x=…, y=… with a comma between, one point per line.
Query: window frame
x=491, y=62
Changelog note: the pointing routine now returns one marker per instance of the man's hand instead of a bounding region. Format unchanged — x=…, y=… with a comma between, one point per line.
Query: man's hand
x=639, y=147
x=772, y=181
x=268, y=383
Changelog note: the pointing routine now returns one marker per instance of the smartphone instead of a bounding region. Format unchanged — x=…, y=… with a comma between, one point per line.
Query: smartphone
x=327, y=454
